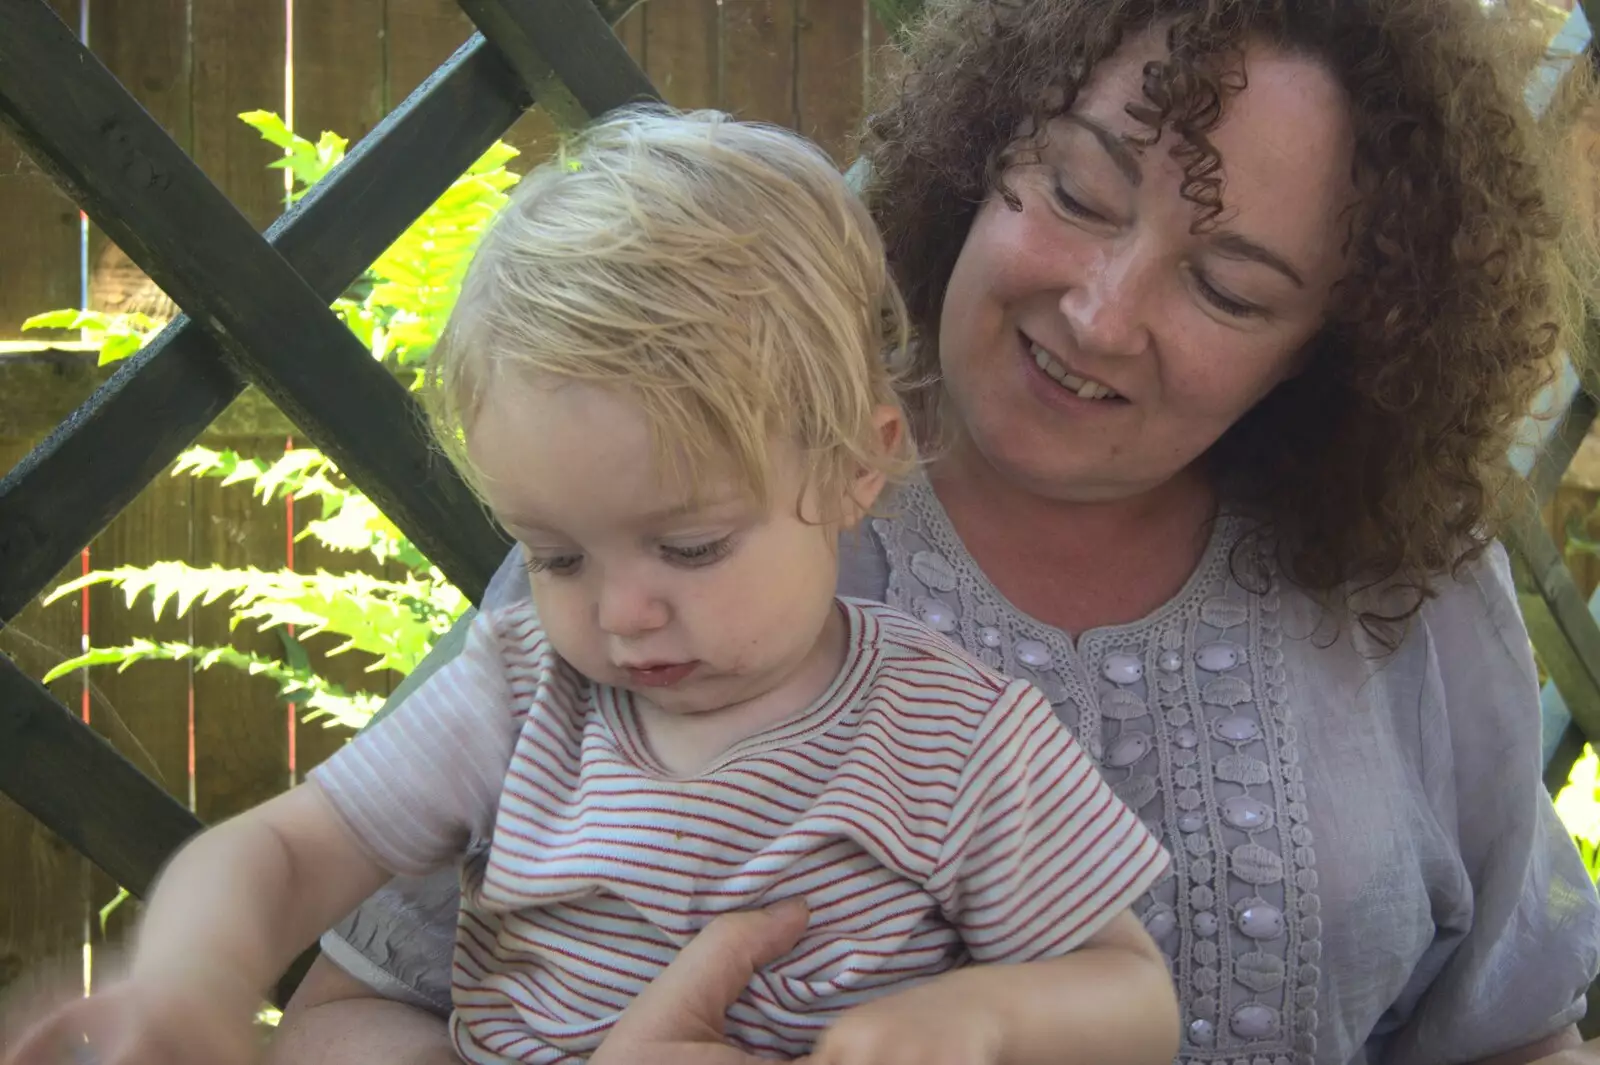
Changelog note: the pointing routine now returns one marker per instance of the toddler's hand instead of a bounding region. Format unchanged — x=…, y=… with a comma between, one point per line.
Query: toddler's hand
x=927, y=1025
x=134, y=1023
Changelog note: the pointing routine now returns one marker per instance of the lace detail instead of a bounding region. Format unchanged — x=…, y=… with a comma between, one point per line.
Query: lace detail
x=1187, y=714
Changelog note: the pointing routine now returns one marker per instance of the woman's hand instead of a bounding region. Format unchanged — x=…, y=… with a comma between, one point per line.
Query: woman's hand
x=680, y=1017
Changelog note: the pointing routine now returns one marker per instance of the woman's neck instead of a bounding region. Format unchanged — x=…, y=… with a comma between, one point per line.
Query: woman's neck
x=1076, y=565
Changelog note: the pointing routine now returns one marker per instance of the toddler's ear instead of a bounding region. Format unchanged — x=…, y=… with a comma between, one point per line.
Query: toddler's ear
x=868, y=485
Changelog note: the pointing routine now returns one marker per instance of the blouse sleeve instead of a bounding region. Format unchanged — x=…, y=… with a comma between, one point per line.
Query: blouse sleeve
x=1517, y=928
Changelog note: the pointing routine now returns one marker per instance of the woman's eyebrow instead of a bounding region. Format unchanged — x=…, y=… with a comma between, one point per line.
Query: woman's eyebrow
x=1235, y=246
x=1117, y=148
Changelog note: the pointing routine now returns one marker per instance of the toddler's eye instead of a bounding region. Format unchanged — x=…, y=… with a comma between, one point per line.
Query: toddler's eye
x=693, y=556
x=556, y=565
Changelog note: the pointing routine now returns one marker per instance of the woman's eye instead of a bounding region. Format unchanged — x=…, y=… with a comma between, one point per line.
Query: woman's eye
x=693, y=556
x=1225, y=303
x=1075, y=207
x=555, y=565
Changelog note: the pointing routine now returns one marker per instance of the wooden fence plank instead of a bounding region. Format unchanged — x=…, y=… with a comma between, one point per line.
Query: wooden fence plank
x=758, y=60
x=682, y=50
x=143, y=713
x=394, y=47
x=338, y=67
x=40, y=269
x=419, y=35
x=315, y=740
x=238, y=48
x=43, y=903
x=241, y=735
x=145, y=46
x=830, y=73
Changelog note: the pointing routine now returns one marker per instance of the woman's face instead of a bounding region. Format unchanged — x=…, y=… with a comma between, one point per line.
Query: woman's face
x=1092, y=345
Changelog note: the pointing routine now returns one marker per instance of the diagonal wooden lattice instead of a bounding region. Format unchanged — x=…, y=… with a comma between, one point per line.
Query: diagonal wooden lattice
x=256, y=312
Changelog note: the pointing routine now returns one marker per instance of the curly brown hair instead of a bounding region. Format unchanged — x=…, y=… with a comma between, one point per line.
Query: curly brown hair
x=1383, y=465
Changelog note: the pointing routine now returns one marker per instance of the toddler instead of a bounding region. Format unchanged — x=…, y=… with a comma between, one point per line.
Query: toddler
x=665, y=377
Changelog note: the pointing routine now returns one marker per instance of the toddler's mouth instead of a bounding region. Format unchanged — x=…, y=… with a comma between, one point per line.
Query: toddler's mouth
x=659, y=674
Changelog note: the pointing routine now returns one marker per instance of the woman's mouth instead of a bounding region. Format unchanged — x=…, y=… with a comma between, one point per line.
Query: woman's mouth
x=1057, y=371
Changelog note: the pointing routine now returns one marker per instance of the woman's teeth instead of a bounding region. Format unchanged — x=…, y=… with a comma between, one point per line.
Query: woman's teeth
x=1070, y=381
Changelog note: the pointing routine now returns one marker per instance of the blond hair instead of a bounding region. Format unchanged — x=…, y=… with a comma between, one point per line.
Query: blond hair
x=719, y=272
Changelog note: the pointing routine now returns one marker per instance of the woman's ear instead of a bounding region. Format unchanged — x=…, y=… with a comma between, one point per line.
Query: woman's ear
x=890, y=423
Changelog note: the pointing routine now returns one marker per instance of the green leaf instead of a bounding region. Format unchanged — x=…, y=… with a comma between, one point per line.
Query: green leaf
x=270, y=126
x=321, y=698
x=1578, y=806
x=498, y=155
x=65, y=319
x=118, y=347
x=308, y=162
x=166, y=581
x=122, y=895
x=330, y=150
x=294, y=652
x=116, y=335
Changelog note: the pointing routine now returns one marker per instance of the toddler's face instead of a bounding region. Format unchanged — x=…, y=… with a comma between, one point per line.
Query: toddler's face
x=697, y=608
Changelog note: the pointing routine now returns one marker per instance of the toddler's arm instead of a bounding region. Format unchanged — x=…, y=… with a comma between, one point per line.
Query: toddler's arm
x=228, y=915
x=1110, y=1002
x=254, y=892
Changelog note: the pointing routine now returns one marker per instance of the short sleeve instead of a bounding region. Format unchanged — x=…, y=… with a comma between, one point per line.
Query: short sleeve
x=1039, y=854
x=1517, y=928
x=419, y=786
x=401, y=940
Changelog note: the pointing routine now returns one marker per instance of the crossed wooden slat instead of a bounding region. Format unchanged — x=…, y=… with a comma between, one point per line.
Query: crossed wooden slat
x=257, y=313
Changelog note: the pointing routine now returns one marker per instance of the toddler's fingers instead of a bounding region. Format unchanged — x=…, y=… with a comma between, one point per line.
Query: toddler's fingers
x=53, y=1038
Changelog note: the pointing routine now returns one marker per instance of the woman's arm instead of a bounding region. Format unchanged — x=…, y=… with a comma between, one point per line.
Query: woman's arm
x=1566, y=1047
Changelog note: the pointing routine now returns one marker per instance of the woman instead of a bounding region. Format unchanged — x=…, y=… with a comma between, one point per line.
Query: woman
x=1226, y=313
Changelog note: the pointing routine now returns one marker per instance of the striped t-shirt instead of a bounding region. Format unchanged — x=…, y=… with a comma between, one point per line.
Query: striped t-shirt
x=930, y=812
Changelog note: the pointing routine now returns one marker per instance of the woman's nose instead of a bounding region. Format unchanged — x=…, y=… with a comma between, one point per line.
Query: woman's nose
x=1106, y=306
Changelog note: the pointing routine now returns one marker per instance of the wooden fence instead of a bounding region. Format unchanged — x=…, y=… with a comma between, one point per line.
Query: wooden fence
x=217, y=740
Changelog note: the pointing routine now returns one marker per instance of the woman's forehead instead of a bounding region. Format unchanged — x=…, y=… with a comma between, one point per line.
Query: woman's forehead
x=1285, y=141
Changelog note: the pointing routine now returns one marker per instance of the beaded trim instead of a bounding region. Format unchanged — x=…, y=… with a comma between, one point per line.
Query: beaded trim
x=1190, y=703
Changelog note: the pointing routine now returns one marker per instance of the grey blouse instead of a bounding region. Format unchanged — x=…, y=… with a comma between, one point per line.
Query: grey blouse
x=1366, y=866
